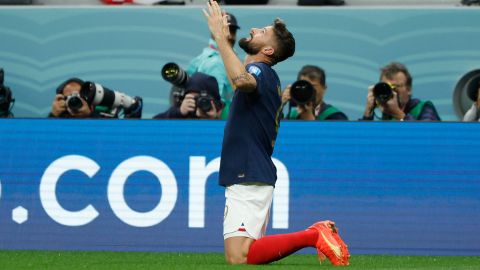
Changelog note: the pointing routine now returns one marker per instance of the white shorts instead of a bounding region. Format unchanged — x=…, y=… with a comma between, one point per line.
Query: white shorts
x=247, y=208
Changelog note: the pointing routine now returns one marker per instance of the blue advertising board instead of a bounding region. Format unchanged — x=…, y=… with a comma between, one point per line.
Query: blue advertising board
x=146, y=185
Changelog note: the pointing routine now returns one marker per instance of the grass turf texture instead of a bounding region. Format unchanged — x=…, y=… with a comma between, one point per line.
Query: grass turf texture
x=132, y=260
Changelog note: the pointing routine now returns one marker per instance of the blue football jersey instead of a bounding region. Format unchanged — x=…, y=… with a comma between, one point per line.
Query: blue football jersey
x=251, y=131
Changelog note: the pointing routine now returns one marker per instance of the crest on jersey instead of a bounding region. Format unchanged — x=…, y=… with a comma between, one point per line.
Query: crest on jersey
x=254, y=70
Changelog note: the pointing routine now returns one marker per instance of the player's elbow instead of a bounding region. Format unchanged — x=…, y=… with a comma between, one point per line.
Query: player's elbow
x=244, y=82
x=245, y=86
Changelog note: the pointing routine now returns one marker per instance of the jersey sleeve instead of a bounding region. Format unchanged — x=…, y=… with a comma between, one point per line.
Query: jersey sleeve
x=259, y=75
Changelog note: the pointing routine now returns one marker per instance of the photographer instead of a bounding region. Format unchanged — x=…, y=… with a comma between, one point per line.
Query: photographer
x=200, y=100
x=78, y=99
x=473, y=114
x=307, y=94
x=395, y=99
x=6, y=98
x=70, y=91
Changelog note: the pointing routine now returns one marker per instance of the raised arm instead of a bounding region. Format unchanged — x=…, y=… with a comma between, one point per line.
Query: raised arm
x=238, y=75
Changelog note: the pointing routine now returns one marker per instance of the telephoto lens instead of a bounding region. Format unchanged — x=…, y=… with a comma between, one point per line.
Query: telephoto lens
x=174, y=74
x=98, y=95
x=382, y=92
x=302, y=92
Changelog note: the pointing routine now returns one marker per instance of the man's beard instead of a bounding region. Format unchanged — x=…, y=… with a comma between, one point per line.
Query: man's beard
x=248, y=47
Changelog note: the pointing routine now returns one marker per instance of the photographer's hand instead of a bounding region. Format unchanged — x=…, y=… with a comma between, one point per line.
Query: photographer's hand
x=58, y=105
x=370, y=106
x=188, y=104
x=391, y=107
x=305, y=112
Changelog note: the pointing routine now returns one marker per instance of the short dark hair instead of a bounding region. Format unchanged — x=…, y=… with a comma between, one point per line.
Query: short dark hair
x=61, y=87
x=393, y=68
x=284, y=40
x=313, y=73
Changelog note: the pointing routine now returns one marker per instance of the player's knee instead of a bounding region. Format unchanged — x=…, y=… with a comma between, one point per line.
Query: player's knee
x=235, y=259
x=236, y=249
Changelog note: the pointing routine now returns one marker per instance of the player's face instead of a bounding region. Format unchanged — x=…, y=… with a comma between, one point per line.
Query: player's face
x=259, y=37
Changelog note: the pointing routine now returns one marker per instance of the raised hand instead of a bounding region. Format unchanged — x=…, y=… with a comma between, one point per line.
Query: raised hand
x=217, y=21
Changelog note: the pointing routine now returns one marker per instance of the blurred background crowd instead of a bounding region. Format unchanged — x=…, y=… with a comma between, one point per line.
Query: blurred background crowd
x=197, y=87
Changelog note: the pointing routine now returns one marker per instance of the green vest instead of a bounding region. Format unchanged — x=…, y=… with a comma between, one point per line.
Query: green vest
x=417, y=110
x=327, y=112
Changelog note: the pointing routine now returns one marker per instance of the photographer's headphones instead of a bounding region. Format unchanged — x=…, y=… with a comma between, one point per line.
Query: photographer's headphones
x=62, y=85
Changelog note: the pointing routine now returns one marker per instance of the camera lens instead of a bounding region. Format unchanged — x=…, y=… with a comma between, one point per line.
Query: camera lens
x=74, y=102
x=302, y=92
x=204, y=103
x=382, y=92
x=98, y=95
x=172, y=73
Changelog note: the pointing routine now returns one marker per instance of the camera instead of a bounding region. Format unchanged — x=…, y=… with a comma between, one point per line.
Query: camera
x=204, y=102
x=383, y=92
x=5, y=96
x=74, y=102
x=205, y=86
x=302, y=92
x=111, y=102
x=174, y=74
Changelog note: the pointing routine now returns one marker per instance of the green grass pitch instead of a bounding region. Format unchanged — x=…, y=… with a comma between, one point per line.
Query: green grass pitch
x=136, y=260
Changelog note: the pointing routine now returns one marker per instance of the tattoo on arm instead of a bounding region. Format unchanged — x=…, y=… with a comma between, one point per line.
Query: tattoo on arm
x=243, y=76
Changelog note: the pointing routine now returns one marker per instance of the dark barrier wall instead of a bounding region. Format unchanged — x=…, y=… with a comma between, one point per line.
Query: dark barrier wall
x=392, y=188
x=125, y=49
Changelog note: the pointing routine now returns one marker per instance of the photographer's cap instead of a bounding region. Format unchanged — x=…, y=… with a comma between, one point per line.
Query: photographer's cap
x=199, y=82
x=232, y=21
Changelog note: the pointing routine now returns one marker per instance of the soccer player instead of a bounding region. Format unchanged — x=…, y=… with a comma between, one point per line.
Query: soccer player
x=246, y=167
